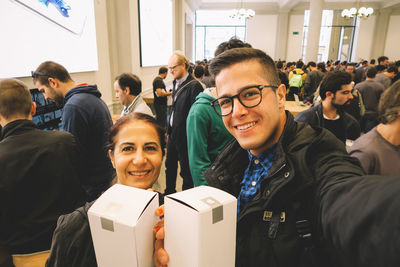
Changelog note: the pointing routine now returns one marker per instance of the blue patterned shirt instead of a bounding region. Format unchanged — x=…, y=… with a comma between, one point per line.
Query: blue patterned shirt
x=256, y=171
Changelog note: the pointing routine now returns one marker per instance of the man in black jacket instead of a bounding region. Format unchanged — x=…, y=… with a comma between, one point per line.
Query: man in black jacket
x=185, y=90
x=302, y=201
x=336, y=92
x=39, y=174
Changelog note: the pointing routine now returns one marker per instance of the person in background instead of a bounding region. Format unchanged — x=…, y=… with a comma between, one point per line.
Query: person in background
x=199, y=74
x=85, y=116
x=128, y=89
x=136, y=148
x=297, y=78
x=384, y=61
x=370, y=91
x=185, y=90
x=313, y=79
x=40, y=177
x=385, y=76
x=160, y=96
x=379, y=149
x=335, y=91
x=282, y=75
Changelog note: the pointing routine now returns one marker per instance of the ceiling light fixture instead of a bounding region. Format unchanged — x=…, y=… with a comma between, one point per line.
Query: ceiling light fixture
x=242, y=13
x=362, y=12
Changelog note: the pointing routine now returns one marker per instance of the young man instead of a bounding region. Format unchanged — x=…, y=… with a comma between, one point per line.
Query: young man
x=301, y=198
x=379, y=149
x=86, y=116
x=128, y=88
x=313, y=79
x=39, y=174
x=185, y=90
x=160, y=96
x=335, y=91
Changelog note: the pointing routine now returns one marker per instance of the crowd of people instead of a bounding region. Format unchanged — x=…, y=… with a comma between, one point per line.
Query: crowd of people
x=332, y=170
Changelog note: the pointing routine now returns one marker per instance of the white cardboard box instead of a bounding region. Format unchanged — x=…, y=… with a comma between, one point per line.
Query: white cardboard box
x=121, y=222
x=200, y=228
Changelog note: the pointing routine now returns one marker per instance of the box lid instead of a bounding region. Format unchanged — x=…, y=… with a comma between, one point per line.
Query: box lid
x=122, y=204
x=203, y=198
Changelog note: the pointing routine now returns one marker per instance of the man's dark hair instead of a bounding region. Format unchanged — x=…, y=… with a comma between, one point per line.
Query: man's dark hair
x=337, y=62
x=371, y=72
x=389, y=104
x=162, y=70
x=238, y=55
x=131, y=81
x=289, y=64
x=380, y=68
x=365, y=62
x=391, y=69
x=333, y=82
x=15, y=98
x=199, y=71
x=321, y=66
x=312, y=64
x=382, y=58
x=397, y=64
x=232, y=43
x=279, y=65
x=372, y=61
x=299, y=64
x=50, y=69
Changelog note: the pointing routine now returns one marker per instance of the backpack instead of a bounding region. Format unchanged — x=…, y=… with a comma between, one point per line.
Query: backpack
x=296, y=81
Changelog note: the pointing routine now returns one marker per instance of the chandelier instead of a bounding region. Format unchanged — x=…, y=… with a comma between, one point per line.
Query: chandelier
x=242, y=13
x=362, y=12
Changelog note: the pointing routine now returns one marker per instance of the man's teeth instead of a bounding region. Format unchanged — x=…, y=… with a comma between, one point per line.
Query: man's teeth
x=246, y=126
x=139, y=173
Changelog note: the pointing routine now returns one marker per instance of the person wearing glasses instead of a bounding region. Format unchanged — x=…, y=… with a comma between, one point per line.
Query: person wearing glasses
x=86, y=116
x=184, y=92
x=302, y=200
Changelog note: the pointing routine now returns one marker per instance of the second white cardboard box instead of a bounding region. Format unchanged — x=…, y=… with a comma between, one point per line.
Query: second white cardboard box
x=121, y=222
x=200, y=228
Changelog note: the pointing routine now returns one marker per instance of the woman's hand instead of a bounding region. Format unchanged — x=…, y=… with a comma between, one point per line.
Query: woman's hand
x=161, y=257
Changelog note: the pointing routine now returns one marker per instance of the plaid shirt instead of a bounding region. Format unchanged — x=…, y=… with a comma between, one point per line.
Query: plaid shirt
x=256, y=171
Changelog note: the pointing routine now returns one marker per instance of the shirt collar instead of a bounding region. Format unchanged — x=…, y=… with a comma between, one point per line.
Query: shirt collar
x=264, y=157
x=180, y=81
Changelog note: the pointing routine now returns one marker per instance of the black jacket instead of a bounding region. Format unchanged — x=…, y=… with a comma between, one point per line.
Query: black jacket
x=184, y=97
x=314, y=117
x=311, y=179
x=39, y=181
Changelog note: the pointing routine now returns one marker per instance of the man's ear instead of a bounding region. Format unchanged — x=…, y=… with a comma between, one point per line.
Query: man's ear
x=281, y=95
x=126, y=90
x=33, y=109
x=329, y=94
x=53, y=82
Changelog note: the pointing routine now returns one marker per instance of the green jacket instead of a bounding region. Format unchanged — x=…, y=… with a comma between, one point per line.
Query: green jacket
x=206, y=136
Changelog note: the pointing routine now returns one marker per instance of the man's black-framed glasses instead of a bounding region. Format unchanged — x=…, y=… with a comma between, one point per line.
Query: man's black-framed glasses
x=249, y=97
x=34, y=74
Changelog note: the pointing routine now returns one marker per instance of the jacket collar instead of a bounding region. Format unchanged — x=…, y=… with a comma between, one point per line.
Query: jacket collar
x=16, y=127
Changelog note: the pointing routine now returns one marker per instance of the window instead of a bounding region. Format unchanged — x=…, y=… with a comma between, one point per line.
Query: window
x=214, y=27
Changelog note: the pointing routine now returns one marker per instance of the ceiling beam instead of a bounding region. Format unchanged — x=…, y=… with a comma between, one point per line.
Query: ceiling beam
x=387, y=4
x=288, y=4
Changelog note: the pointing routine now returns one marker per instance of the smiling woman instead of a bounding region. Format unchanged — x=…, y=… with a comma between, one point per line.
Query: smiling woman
x=136, y=148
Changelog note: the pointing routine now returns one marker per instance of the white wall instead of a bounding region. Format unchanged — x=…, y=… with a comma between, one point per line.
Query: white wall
x=261, y=32
x=392, y=48
x=365, y=37
x=294, y=41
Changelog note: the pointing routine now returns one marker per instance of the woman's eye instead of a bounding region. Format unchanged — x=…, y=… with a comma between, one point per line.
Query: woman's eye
x=127, y=148
x=151, y=148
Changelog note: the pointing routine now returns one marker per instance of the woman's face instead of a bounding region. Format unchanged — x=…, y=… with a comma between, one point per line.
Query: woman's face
x=137, y=155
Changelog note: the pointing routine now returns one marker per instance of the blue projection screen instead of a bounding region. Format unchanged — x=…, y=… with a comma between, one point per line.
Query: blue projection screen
x=155, y=20
x=33, y=31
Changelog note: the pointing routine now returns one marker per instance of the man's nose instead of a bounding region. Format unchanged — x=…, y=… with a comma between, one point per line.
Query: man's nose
x=238, y=109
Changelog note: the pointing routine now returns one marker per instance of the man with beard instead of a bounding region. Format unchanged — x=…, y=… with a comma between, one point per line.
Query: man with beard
x=335, y=92
x=85, y=116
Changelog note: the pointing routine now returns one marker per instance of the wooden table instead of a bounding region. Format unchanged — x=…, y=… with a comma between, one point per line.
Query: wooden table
x=295, y=108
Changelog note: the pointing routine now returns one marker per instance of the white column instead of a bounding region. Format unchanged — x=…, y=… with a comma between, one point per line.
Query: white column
x=282, y=35
x=314, y=30
x=380, y=32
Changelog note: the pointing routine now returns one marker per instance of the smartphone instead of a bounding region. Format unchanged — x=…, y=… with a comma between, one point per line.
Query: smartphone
x=70, y=15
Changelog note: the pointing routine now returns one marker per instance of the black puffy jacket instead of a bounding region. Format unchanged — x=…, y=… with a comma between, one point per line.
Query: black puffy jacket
x=306, y=162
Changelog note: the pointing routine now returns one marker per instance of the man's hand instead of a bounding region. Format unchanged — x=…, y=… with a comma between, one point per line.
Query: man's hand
x=161, y=257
